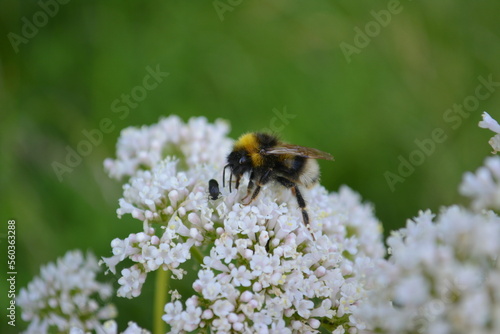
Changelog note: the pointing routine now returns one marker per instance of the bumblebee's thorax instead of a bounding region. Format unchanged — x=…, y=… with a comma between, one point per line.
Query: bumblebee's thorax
x=252, y=143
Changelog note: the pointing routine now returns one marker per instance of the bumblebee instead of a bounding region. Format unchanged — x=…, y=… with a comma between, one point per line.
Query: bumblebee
x=213, y=190
x=267, y=159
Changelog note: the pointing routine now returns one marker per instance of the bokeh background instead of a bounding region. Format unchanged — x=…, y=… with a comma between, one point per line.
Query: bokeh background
x=239, y=64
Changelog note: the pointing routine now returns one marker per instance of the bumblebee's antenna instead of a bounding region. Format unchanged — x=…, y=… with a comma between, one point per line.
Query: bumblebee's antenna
x=224, y=177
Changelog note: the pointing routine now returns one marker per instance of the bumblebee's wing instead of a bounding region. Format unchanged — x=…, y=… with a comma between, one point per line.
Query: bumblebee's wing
x=301, y=151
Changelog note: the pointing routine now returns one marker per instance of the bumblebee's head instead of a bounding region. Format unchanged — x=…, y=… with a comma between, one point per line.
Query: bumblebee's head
x=239, y=162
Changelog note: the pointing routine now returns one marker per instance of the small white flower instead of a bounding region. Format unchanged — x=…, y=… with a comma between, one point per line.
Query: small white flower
x=260, y=264
x=412, y=290
x=304, y=308
x=212, y=290
x=489, y=123
x=131, y=282
x=192, y=316
x=241, y=276
x=225, y=249
x=134, y=329
x=484, y=186
x=222, y=308
x=172, y=311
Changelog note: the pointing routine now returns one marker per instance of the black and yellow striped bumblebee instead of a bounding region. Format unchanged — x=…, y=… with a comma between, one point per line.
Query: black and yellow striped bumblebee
x=267, y=159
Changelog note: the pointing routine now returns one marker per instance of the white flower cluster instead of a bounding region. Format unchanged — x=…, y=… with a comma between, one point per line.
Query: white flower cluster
x=174, y=208
x=110, y=327
x=483, y=187
x=194, y=143
x=66, y=295
x=443, y=276
x=263, y=273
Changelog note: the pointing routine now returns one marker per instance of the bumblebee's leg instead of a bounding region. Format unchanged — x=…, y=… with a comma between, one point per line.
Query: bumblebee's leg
x=296, y=192
x=263, y=180
x=302, y=204
x=250, y=186
x=237, y=185
x=254, y=195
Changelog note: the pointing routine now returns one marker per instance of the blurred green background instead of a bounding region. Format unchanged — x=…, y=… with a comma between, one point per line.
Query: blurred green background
x=240, y=65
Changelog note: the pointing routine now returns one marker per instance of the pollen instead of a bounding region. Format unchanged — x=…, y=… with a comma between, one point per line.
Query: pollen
x=323, y=214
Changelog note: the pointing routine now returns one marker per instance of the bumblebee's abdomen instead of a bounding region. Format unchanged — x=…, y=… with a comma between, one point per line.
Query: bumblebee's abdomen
x=299, y=169
x=310, y=173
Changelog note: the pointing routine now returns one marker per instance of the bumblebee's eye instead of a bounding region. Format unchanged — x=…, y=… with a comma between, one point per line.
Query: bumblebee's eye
x=243, y=160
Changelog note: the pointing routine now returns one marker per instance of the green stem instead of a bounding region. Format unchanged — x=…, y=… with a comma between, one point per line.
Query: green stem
x=161, y=293
x=196, y=253
x=161, y=298
x=326, y=328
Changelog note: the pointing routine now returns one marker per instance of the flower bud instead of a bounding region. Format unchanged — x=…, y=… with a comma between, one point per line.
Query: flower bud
x=246, y=296
x=232, y=317
x=207, y=314
x=253, y=303
x=173, y=196
x=263, y=238
x=155, y=240
x=314, y=323
x=182, y=211
x=320, y=271
x=247, y=254
x=238, y=326
x=193, y=218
